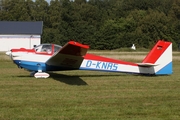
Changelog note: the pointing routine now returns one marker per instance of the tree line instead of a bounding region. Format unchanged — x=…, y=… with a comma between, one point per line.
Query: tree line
x=102, y=24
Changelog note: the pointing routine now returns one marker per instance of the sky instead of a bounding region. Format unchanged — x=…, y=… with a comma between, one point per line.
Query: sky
x=48, y=1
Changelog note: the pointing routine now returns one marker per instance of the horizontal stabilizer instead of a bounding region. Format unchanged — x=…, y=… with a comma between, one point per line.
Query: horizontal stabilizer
x=146, y=64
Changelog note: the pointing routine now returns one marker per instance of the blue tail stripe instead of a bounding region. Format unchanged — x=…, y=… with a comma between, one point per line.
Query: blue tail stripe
x=166, y=70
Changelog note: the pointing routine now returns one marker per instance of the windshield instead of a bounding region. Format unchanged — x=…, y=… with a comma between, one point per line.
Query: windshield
x=47, y=48
x=56, y=48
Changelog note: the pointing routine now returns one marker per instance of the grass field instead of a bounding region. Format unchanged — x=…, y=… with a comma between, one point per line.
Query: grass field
x=88, y=95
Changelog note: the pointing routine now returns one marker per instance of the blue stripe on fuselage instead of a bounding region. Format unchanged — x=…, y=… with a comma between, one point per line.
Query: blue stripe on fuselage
x=32, y=66
x=35, y=66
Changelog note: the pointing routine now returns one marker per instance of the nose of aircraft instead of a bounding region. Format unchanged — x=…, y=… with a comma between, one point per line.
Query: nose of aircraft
x=8, y=53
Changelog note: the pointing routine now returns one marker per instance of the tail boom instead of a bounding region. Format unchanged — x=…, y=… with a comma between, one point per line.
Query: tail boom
x=158, y=61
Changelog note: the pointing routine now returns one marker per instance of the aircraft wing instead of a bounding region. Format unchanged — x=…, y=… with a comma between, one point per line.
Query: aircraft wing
x=69, y=57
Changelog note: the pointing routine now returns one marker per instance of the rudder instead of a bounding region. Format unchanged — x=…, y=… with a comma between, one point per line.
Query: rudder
x=161, y=55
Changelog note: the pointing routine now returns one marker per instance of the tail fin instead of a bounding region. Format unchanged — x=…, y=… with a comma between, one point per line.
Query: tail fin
x=161, y=57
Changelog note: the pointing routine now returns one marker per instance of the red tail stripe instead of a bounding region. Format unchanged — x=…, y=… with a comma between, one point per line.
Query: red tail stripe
x=156, y=52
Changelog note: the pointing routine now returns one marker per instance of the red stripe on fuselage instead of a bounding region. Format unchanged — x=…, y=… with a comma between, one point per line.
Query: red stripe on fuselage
x=104, y=59
x=31, y=51
x=22, y=50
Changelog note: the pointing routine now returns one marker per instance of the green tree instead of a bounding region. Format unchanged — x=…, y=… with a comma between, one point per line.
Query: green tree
x=115, y=34
x=15, y=10
x=40, y=10
x=103, y=24
x=152, y=27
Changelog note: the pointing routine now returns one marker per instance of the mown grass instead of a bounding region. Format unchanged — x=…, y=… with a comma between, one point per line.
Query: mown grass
x=88, y=95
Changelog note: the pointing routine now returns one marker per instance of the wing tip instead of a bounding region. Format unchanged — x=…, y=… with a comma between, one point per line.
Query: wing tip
x=72, y=42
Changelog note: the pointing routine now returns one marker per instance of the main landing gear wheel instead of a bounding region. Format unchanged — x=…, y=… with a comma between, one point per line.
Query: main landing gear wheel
x=41, y=75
